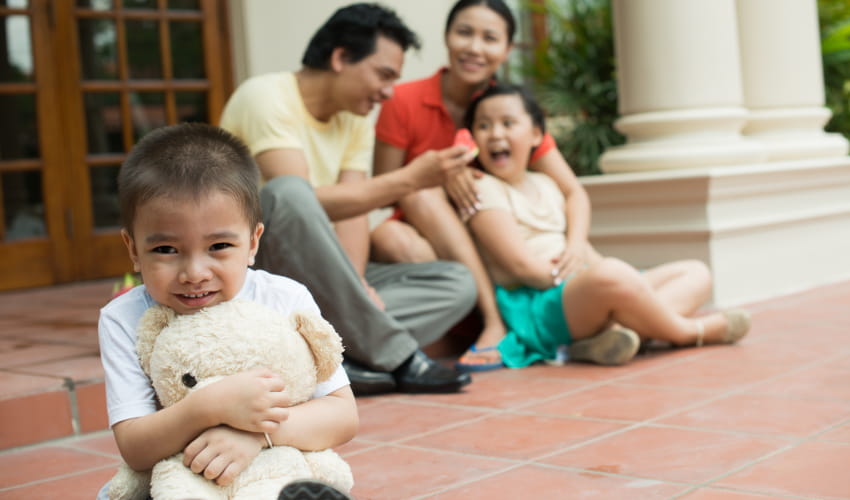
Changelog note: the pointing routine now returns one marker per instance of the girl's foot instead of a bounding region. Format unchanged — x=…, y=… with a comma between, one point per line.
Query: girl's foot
x=480, y=359
x=614, y=346
x=733, y=325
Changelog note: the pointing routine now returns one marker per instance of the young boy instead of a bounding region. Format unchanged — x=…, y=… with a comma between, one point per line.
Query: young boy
x=191, y=222
x=521, y=230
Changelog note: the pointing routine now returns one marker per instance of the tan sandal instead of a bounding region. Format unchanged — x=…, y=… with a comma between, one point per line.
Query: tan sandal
x=737, y=325
x=614, y=346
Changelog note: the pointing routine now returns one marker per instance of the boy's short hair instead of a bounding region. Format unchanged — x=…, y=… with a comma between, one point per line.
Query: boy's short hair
x=538, y=118
x=184, y=161
x=355, y=28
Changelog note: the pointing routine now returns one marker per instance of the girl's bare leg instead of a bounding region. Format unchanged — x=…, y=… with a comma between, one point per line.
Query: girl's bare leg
x=684, y=285
x=613, y=291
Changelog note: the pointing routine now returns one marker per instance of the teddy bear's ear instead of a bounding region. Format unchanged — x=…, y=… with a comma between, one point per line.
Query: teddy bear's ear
x=152, y=322
x=323, y=341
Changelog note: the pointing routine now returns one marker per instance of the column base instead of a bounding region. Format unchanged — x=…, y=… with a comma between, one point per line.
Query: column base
x=665, y=140
x=765, y=230
x=795, y=133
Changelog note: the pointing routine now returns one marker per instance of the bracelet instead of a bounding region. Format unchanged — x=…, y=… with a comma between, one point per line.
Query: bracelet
x=268, y=439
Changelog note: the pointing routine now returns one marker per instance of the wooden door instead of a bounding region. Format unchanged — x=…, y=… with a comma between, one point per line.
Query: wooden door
x=80, y=82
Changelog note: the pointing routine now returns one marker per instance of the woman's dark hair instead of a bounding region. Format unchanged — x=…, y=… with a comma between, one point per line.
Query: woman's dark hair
x=355, y=28
x=497, y=6
x=534, y=110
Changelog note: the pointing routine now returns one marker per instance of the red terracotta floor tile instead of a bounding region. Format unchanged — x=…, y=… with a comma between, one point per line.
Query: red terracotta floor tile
x=541, y=483
x=101, y=442
x=841, y=434
x=715, y=494
x=819, y=382
x=16, y=384
x=91, y=407
x=35, y=418
x=79, y=369
x=79, y=486
x=516, y=437
x=702, y=373
x=620, y=402
x=668, y=454
x=505, y=389
x=392, y=472
x=814, y=469
x=761, y=414
x=27, y=466
x=395, y=420
x=14, y=353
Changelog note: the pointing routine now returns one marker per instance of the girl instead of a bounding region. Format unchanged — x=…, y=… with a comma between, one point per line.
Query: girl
x=520, y=226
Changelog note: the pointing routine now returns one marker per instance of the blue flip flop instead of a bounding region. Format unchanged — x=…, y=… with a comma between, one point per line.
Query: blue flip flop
x=479, y=367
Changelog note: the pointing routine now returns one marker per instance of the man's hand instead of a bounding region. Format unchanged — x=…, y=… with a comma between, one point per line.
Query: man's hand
x=433, y=168
x=254, y=399
x=221, y=453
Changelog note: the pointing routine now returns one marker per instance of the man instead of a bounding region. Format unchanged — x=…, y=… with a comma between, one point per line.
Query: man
x=311, y=139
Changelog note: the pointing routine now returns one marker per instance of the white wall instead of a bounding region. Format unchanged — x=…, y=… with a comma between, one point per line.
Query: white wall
x=271, y=35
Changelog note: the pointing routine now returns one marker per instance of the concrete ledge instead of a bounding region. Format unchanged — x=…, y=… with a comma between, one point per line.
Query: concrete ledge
x=766, y=230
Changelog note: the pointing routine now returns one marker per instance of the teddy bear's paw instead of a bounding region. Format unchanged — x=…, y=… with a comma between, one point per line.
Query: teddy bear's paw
x=328, y=466
x=263, y=489
x=171, y=480
x=128, y=484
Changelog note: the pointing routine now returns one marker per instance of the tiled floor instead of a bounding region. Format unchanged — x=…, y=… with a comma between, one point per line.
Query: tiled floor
x=768, y=418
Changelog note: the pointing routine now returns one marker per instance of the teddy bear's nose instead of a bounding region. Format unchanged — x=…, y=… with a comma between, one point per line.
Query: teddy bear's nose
x=189, y=380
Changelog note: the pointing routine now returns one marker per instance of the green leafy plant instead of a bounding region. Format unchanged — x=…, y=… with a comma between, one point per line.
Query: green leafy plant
x=573, y=75
x=835, y=47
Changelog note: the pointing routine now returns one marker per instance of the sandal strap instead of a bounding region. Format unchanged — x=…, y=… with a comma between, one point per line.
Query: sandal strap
x=700, y=332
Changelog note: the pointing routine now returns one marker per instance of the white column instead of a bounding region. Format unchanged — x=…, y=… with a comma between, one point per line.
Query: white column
x=783, y=79
x=680, y=90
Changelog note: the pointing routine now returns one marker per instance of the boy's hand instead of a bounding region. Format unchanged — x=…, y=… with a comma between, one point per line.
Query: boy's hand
x=251, y=401
x=221, y=453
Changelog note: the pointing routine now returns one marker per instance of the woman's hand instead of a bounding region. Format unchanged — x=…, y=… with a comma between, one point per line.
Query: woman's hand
x=461, y=190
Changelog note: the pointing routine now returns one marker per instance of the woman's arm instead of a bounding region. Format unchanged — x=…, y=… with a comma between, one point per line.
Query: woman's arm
x=496, y=231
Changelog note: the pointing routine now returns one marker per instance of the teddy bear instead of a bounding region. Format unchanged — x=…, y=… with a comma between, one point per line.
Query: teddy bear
x=183, y=353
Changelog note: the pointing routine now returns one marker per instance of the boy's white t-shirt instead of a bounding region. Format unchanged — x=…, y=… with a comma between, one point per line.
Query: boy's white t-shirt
x=129, y=393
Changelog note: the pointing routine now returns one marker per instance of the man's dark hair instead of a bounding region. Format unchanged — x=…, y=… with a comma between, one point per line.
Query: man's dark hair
x=528, y=102
x=497, y=6
x=189, y=160
x=355, y=29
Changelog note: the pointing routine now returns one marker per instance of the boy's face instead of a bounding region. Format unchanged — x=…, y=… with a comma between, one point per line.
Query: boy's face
x=506, y=135
x=369, y=81
x=192, y=254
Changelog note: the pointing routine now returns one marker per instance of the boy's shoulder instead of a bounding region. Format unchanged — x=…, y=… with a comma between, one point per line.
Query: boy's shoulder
x=275, y=290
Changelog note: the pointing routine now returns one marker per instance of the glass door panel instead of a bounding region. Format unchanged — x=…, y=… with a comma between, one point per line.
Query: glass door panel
x=80, y=82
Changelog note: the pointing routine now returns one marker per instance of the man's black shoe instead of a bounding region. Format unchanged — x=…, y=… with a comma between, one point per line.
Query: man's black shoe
x=366, y=382
x=422, y=374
